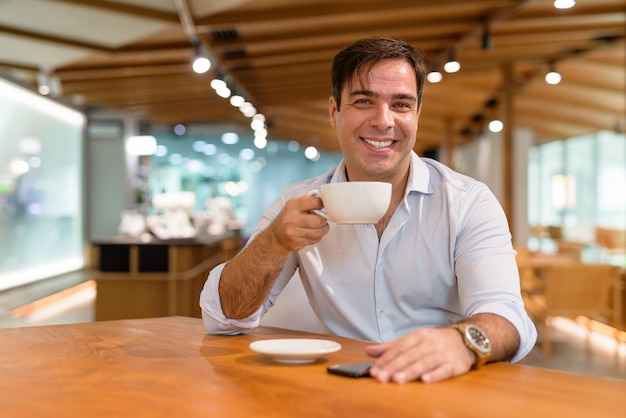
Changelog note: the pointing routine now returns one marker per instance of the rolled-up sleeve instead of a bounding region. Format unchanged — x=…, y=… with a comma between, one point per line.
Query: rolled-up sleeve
x=213, y=317
x=487, y=273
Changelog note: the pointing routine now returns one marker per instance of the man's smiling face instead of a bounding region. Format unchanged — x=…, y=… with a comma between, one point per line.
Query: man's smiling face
x=377, y=122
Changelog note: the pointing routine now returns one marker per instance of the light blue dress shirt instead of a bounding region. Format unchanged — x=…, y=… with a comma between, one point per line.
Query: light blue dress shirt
x=446, y=254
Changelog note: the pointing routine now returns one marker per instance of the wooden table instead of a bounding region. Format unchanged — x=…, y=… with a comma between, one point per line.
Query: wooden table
x=170, y=367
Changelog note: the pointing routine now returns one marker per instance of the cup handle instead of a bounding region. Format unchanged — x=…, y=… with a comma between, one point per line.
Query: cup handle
x=316, y=192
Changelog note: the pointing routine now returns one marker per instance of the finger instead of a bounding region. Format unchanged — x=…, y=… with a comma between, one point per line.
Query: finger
x=443, y=372
x=376, y=350
x=408, y=358
x=308, y=203
x=312, y=220
x=388, y=352
x=392, y=358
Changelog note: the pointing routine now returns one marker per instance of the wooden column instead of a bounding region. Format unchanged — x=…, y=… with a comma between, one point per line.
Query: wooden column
x=447, y=145
x=507, y=144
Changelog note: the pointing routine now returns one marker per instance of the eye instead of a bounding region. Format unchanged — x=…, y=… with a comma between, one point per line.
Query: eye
x=362, y=103
x=402, y=106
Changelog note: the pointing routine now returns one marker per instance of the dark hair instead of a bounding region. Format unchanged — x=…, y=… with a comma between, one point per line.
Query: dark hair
x=365, y=53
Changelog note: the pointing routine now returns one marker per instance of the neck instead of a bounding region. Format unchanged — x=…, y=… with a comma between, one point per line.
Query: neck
x=397, y=195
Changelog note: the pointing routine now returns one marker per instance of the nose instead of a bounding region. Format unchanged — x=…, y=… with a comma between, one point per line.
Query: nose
x=382, y=117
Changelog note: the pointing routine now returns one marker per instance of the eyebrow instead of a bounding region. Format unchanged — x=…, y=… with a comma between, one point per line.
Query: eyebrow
x=371, y=93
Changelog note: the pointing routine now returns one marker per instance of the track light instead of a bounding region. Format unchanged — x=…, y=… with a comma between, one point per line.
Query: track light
x=223, y=92
x=452, y=66
x=201, y=64
x=496, y=126
x=434, y=76
x=564, y=4
x=553, y=76
x=237, y=100
x=43, y=83
x=217, y=84
x=221, y=88
x=48, y=84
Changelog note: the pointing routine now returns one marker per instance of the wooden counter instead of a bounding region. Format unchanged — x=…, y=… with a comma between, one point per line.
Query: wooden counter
x=137, y=279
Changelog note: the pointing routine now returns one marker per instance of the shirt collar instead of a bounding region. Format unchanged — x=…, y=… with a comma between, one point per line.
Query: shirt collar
x=419, y=176
x=339, y=174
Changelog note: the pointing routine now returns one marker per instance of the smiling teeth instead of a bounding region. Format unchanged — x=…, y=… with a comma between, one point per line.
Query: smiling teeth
x=377, y=144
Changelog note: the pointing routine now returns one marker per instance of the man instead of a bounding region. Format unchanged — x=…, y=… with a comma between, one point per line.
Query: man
x=440, y=256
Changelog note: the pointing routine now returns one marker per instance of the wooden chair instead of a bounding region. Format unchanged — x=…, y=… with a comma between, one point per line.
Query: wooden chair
x=612, y=241
x=611, y=238
x=571, y=290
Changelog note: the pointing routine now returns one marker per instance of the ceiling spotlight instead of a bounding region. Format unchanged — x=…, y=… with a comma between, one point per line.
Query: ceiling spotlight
x=553, y=76
x=259, y=116
x=48, y=84
x=564, y=4
x=452, y=66
x=434, y=76
x=201, y=64
x=43, y=83
x=237, y=100
x=180, y=129
x=247, y=109
x=496, y=125
x=217, y=84
x=223, y=92
x=257, y=124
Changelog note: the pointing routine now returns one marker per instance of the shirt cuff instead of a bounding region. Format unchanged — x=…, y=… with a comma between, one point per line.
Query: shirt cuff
x=518, y=317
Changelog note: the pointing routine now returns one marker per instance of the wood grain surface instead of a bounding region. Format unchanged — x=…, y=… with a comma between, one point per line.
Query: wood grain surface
x=170, y=367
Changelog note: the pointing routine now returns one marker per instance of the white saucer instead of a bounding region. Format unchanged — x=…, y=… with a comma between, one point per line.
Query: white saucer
x=295, y=350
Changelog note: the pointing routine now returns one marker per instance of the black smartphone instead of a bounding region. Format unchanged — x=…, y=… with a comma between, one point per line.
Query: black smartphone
x=351, y=369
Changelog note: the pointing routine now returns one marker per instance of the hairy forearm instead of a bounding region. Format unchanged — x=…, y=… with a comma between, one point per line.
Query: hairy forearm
x=248, y=277
x=502, y=334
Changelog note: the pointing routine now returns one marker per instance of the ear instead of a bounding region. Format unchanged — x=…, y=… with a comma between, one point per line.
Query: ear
x=332, y=111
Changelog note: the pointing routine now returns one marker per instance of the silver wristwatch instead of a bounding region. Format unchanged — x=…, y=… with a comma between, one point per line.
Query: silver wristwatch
x=475, y=340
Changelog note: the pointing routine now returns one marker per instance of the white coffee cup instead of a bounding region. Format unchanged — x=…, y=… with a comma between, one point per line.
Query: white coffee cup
x=354, y=202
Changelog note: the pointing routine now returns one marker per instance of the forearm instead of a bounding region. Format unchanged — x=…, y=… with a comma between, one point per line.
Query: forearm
x=503, y=336
x=248, y=277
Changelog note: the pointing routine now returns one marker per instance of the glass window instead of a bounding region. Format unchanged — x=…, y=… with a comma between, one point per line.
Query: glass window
x=579, y=182
x=578, y=185
x=551, y=200
x=611, y=181
x=41, y=222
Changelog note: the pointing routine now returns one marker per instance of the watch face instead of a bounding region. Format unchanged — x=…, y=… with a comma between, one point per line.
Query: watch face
x=480, y=339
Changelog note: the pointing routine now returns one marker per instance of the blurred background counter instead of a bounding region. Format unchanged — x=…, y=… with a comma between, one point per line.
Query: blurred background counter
x=147, y=277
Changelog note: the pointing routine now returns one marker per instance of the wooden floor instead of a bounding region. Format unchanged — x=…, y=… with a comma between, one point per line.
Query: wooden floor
x=71, y=299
